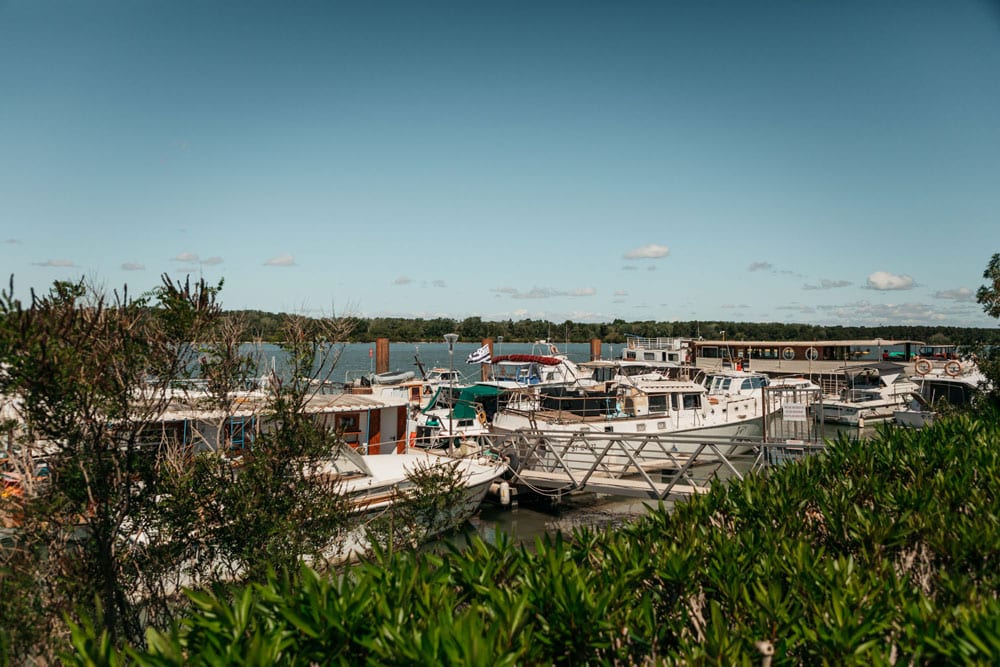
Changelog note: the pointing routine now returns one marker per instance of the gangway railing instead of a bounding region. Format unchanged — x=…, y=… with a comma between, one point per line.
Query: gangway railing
x=658, y=467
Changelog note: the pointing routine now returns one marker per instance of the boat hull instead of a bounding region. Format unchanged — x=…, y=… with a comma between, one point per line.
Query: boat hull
x=617, y=451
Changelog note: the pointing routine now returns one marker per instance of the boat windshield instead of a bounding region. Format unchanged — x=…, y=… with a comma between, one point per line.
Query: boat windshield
x=517, y=372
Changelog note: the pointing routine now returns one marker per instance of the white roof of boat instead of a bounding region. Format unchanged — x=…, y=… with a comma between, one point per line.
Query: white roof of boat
x=318, y=404
x=669, y=385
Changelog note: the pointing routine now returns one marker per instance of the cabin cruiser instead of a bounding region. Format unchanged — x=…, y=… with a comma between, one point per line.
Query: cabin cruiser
x=871, y=394
x=614, y=424
x=953, y=382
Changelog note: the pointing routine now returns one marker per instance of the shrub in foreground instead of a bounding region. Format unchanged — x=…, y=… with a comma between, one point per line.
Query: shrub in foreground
x=882, y=551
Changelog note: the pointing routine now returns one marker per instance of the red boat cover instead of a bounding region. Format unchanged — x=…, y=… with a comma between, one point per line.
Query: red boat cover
x=529, y=358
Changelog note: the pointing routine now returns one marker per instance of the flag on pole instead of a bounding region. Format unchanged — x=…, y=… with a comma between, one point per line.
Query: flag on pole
x=480, y=356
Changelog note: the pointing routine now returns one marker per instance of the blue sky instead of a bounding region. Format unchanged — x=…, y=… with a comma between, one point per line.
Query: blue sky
x=816, y=162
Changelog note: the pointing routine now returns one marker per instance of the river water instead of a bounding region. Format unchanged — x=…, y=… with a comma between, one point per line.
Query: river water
x=529, y=519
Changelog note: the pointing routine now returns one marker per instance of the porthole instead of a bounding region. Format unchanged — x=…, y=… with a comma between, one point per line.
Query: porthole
x=788, y=354
x=812, y=354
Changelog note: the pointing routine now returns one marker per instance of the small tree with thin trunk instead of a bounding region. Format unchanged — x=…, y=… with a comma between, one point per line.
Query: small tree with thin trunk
x=988, y=359
x=113, y=515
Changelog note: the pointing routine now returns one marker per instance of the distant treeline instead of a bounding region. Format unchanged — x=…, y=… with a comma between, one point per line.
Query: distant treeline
x=269, y=327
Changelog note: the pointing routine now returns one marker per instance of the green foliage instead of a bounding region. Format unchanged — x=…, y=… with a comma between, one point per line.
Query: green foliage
x=881, y=551
x=270, y=327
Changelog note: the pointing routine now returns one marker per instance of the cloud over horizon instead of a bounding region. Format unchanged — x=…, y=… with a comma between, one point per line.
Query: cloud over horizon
x=281, y=260
x=132, y=266
x=543, y=292
x=825, y=284
x=963, y=294
x=650, y=251
x=884, y=281
x=57, y=263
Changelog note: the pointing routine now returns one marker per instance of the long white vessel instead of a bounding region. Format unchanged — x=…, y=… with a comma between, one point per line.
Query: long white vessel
x=612, y=425
x=873, y=394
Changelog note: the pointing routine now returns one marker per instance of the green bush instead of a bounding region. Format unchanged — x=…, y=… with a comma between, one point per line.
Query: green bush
x=881, y=551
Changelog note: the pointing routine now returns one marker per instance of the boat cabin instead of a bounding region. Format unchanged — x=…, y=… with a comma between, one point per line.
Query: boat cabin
x=657, y=350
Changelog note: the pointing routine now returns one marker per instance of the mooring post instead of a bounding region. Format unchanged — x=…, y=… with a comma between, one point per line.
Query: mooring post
x=381, y=355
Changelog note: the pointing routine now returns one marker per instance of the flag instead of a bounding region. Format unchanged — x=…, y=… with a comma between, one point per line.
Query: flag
x=480, y=356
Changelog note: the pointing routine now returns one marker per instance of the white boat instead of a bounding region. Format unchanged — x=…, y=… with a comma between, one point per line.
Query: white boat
x=618, y=417
x=376, y=484
x=952, y=381
x=462, y=413
x=872, y=394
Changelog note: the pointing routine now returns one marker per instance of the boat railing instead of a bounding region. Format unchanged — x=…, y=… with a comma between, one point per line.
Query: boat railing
x=658, y=343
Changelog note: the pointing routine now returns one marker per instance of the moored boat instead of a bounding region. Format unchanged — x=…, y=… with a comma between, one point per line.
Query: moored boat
x=872, y=394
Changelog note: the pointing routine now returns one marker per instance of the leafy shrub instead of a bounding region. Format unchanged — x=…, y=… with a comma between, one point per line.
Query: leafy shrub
x=881, y=551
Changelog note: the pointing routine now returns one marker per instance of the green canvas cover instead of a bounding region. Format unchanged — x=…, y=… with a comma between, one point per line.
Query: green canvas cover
x=468, y=397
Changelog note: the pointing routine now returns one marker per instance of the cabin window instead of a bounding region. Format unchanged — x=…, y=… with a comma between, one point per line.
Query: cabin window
x=349, y=427
x=648, y=356
x=692, y=401
x=658, y=403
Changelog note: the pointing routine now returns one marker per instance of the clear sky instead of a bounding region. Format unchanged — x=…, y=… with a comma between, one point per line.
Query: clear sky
x=819, y=162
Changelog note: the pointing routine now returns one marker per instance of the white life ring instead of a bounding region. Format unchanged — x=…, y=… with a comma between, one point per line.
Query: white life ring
x=923, y=367
x=481, y=415
x=953, y=368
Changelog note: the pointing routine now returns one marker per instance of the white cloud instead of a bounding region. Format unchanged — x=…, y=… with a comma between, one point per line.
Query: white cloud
x=60, y=263
x=543, y=292
x=621, y=292
x=651, y=251
x=884, y=281
x=212, y=261
x=960, y=294
x=11, y=241
x=894, y=313
x=402, y=280
x=537, y=293
x=281, y=260
x=438, y=283
x=760, y=266
x=189, y=257
x=133, y=266
x=827, y=284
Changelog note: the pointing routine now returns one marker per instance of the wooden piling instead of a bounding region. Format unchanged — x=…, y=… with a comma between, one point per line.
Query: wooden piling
x=595, y=349
x=381, y=355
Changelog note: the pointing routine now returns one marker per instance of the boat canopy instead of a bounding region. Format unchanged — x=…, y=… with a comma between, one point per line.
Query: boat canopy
x=466, y=399
x=528, y=358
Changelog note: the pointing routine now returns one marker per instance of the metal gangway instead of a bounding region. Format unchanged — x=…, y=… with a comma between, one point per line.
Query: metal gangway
x=657, y=467
x=661, y=466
